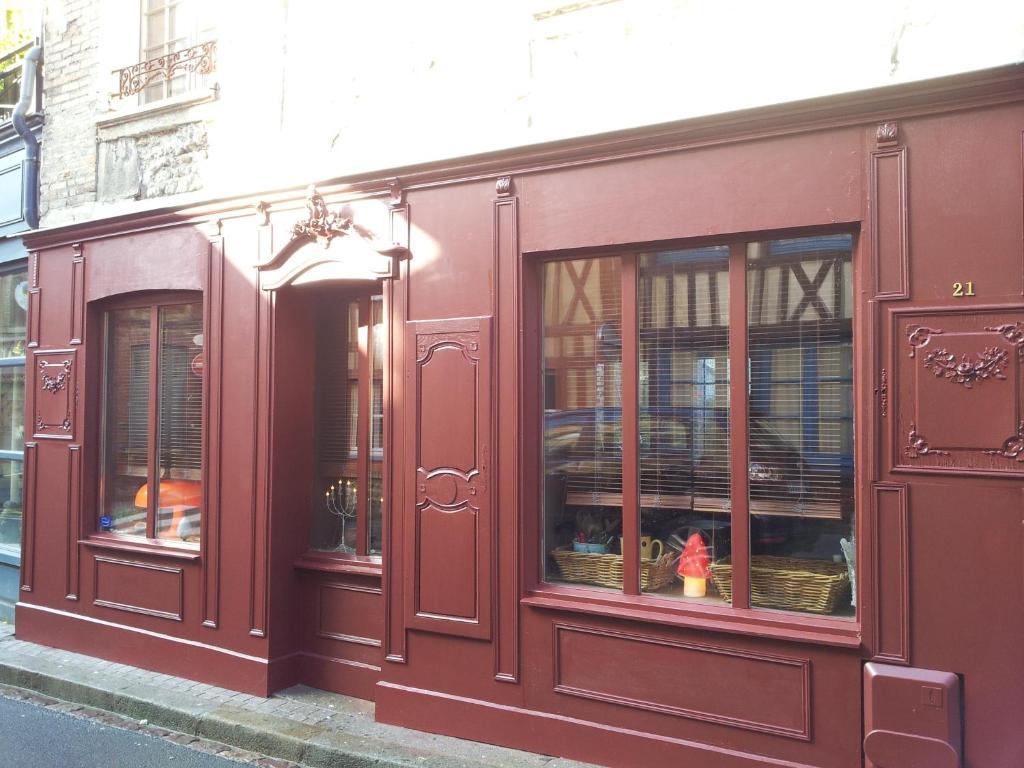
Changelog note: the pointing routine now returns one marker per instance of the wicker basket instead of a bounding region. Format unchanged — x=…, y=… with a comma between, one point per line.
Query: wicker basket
x=812, y=586
x=606, y=570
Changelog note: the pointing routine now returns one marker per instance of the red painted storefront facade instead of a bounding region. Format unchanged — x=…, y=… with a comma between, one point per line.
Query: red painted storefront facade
x=445, y=612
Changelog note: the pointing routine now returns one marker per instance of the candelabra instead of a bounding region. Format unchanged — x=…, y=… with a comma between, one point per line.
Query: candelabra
x=340, y=500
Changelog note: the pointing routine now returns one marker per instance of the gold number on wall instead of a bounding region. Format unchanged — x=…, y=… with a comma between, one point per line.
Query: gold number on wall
x=963, y=289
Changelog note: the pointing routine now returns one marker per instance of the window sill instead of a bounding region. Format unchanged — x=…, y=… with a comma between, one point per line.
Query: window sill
x=113, y=125
x=767, y=624
x=352, y=564
x=141, y=546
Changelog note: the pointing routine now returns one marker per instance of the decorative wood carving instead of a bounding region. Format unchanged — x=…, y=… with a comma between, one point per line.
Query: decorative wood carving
x=339, y=249
x=448, y=441
x=263, y=212
x=919, y=337
x=917, y=446
x=396, y=194
x=887, y=134
x=503, y=186
x=55, y=394
x=321, y=224
x=959, y=406
x=1013, y=447
x=54, y=383
x=990, y=363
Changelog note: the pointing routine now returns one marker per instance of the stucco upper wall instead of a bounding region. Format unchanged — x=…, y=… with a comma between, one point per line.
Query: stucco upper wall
x=308, y=90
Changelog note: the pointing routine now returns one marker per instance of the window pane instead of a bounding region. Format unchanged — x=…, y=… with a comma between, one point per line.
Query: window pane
x=180, y=436
x=683, y=307
x=12, y=408
x=376, y=422
x=801, y=423
x=333, y=526
x=582, y=363
x=126, y=413
x=13, y=303
x=11, y=479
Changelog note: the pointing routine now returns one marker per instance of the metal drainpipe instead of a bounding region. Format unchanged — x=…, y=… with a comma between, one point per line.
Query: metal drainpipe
x=30, y=177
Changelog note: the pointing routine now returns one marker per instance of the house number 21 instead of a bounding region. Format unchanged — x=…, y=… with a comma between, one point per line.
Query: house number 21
x=963, y=289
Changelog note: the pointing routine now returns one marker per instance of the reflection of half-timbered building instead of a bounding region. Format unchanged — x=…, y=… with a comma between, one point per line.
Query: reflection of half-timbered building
x=698, y=444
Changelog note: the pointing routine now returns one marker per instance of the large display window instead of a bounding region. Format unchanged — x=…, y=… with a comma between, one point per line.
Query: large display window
x=664, y=372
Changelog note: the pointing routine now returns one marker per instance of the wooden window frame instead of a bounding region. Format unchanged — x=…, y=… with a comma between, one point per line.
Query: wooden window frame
x=154, y=302
x=362, y=558
x=739, y=617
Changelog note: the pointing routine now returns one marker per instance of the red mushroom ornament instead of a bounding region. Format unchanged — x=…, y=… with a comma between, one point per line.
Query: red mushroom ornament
x=693, y=567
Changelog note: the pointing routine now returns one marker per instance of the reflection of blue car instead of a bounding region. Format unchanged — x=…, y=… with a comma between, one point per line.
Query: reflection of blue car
x=682, y=451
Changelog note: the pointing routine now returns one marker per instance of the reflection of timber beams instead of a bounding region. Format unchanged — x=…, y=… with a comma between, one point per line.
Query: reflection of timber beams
x=329, y=246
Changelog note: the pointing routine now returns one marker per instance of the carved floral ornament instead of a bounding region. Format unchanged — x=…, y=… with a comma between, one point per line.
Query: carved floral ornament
x=328, y=245
x=54, y=384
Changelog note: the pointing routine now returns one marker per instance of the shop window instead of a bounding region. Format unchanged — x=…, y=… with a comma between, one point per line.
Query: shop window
x=152, y=421
x=348, y=504
x=656, y=470
x=13, y=305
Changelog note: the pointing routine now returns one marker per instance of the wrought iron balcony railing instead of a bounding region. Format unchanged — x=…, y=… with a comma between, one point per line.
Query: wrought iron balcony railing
x=199, y=59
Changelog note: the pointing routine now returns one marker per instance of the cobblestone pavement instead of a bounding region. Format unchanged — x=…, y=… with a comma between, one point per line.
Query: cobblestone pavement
x=298, y=726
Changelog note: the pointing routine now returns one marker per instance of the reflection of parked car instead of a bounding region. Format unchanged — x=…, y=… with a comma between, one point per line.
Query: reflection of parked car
x=682, y=450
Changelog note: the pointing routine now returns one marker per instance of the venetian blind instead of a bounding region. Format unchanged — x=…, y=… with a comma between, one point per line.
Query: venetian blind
x=583, y=378
x=683, y=307
x=181, y=391
x=801, y=381
x=337, y=388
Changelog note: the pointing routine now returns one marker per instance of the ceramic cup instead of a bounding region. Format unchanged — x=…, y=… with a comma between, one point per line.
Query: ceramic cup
x=650, y=547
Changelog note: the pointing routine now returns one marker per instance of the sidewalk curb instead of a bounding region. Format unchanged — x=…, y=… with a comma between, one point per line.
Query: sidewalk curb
x=310, y=745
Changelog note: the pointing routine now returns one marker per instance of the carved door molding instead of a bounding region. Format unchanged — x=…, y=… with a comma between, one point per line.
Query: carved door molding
x=959, y=389
x=449, y=548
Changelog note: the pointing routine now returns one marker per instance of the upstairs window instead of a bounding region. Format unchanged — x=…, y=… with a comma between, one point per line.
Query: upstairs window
x=151, y=482
x=176, y=48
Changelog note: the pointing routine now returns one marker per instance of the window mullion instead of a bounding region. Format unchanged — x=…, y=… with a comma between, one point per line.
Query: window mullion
x=363, y=427
x=630, y=429
x=153, y=417
x=739, y=427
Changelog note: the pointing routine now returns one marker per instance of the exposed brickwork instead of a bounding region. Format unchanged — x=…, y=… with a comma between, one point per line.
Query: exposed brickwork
x=71, y=43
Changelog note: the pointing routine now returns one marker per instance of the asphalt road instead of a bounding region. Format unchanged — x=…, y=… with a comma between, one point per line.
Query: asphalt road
x=34, y=737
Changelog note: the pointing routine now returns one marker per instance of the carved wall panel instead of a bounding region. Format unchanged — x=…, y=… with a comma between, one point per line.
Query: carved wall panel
x=53, y=373
x=960, y=391
x=449, y=443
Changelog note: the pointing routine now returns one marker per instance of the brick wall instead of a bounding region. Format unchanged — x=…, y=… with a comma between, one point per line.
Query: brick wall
x=68, y=159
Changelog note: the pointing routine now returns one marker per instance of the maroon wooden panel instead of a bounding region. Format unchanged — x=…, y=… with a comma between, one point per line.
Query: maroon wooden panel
x=77, y=329
x=213, y=429
x=28, y=532
x=35, y=303
x=397, y=298
x=782, y=182
x=889, y=222
x=140, y=262
x=54, y=379
x=891, y=580
x=448, y=447
x=507, y=351
x=966, y=219
x=959, y=388
x=74, y=519
x=696, y=681
x=352, y=614
x=139, y=587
